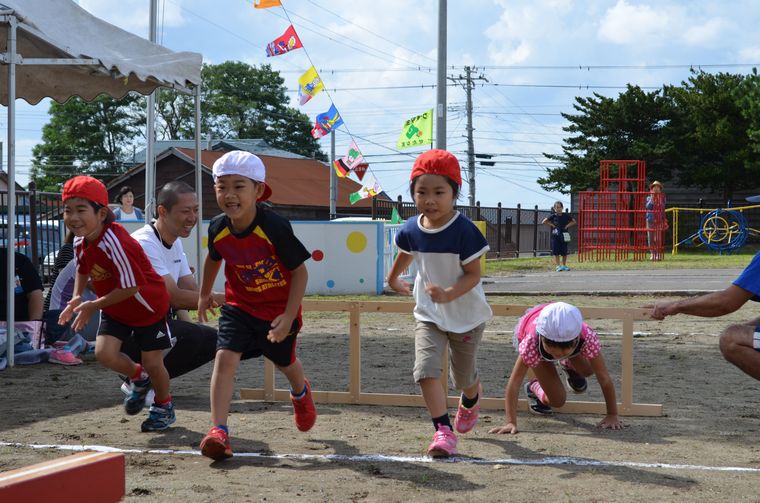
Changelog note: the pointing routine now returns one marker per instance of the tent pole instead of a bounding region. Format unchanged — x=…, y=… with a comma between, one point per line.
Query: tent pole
x=11, y=216
x=198, y=183
x=150, y=156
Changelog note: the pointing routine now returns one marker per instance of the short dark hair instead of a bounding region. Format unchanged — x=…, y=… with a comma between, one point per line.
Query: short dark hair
x=451, y=182
x=124, y=190
x=169, y=194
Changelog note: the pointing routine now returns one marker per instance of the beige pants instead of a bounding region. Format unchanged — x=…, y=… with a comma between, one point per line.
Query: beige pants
x=430, y=343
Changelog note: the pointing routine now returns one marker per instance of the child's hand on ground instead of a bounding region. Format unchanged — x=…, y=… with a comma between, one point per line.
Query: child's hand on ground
x=509, y=428
x=280, y=328
x=438, y=294
x=610, y=422
x=206, y=303
x=67, y=313
x=400, y=286
x=84, y=311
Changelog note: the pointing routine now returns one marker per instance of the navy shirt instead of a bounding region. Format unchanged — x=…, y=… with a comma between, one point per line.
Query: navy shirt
x=27, y=281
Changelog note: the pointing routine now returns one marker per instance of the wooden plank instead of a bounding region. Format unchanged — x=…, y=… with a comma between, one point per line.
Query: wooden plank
x=268, y=379
x=496, y=404
x=354, y=354
x=626, y=365
x=86, y=477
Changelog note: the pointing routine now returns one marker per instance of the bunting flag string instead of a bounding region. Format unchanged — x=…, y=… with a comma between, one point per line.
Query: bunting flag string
x=287, y=42
x=309, y=85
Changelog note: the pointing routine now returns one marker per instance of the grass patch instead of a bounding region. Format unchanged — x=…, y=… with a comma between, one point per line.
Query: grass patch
x=683, y=260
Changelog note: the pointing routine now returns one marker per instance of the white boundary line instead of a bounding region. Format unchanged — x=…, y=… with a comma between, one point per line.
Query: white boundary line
x=382, y=458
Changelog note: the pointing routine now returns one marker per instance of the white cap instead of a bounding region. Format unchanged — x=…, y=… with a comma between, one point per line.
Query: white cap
x=559, y=322
x=240, y=162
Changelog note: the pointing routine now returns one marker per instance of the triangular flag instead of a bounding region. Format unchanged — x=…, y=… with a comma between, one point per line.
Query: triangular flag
x=370, y=188
x=360, y=169
x=265, y=4
x=326, y=122
x=417, y=131
x=349, y=161
x=286, y=43
x=309, y=85
x=395, y=217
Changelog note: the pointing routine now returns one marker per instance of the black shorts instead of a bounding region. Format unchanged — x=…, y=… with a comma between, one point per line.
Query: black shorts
x=559, y=247
x=242, y=333
x=151, y=338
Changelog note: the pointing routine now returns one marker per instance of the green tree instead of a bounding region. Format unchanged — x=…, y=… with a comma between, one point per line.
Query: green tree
x=711, y=130
x=240, y=101
x=748, y=97
x=86, y=138
x=627, y=127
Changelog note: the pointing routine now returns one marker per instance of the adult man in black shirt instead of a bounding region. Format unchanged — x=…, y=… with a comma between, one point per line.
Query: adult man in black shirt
x=28, y=284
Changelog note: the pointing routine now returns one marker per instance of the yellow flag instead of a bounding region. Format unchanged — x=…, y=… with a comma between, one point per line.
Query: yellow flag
x=265, y=4
x=417, y=131
x=309, y=84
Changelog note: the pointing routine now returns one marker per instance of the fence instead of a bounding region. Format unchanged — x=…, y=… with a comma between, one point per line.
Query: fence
x=39, y=228
x=354, y=394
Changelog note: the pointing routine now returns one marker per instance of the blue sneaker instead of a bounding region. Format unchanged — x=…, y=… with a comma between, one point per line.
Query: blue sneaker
x=135, y=402
x=159, y=418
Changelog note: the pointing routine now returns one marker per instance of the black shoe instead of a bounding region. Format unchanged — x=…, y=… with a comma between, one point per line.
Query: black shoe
x=535, y=405
x=577, y=382
x=135, y=402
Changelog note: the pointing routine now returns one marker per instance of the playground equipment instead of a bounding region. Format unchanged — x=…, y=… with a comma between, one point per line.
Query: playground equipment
x=612, y=223
x=721, y=230
x=355, y=395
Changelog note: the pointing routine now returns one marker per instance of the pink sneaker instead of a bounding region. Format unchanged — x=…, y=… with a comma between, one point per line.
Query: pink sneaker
x=63, y=358
x=466, y=419
x=444, y=443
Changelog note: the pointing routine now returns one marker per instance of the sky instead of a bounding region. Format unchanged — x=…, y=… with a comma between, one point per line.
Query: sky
x=378, y=62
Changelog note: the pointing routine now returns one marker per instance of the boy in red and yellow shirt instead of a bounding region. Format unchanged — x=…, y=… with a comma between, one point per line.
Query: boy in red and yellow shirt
x=131, y=296
x=266, y=280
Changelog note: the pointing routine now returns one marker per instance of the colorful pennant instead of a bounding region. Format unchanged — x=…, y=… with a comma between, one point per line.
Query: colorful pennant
x=265, y=4
x=349, y=161
x=309, y=85
x=360, y=169
x=326, y=122
x=417, y=131
x=370, y=188
x=286, y=43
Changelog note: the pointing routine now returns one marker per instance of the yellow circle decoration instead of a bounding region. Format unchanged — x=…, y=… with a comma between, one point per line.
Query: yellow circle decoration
x=356, y=242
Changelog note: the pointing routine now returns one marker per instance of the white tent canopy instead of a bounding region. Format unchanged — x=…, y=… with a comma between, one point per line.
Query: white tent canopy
x=60, y=29
x=56, y=49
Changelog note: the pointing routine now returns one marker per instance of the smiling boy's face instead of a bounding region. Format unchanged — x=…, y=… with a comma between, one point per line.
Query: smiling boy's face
x=81, y=218
x=236, y=195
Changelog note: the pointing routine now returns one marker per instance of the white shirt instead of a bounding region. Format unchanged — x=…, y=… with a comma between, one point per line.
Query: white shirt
x=440, y=254
x=165, y=260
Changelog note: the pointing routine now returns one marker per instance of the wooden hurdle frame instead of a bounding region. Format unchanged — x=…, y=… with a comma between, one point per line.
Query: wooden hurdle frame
x=354, y=395
x=86, y=477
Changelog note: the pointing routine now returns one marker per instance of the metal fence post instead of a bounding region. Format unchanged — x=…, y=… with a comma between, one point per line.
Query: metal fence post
x=498, y=230
x=535, y=231
x=519, y=229
x=33, y=231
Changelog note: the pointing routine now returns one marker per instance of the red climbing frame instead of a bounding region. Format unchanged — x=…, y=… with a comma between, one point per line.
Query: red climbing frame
x=612, y=221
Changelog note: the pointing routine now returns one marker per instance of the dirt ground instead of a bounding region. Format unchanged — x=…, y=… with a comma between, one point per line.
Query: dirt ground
x=711, y=424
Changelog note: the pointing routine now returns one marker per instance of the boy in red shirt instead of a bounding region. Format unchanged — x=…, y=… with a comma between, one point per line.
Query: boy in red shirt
x=132, y=298
x=266, y=280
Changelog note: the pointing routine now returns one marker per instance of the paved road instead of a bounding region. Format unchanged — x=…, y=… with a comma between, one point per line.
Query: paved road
x=665, y=282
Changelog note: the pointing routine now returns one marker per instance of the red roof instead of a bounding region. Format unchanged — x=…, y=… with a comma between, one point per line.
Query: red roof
x=296, y=181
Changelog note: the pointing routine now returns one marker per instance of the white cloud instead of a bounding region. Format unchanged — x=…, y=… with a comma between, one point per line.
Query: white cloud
x=133, y=15
x=627, y=24
x=707, y=32
x=749, y=54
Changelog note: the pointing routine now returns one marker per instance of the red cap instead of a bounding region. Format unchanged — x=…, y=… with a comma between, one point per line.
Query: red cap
x=437, y=162
x=88, y=188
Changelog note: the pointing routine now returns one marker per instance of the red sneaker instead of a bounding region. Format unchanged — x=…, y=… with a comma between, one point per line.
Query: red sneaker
x=304, y=412
x=216, y=445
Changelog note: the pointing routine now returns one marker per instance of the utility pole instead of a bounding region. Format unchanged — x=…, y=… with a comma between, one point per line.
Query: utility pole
x=440, y=107
x=468, y=84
